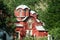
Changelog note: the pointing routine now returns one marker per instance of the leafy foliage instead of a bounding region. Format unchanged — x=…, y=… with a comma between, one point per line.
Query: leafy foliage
x=6, y=21
x=34, y=38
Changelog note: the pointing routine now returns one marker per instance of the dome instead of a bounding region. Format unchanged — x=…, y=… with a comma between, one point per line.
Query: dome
x=22, y=6
x=32, y=12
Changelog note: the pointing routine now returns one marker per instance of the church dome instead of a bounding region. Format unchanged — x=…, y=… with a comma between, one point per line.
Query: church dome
x=22, y=6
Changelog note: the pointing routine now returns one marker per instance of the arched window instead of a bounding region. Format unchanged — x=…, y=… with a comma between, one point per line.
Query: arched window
x=27, y=11
x=21, y=12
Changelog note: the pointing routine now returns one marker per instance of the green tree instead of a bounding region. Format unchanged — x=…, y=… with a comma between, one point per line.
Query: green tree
x=6, y=19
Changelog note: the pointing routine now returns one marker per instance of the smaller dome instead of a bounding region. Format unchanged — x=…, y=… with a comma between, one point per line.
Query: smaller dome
x=32, y=12
x=22, y=6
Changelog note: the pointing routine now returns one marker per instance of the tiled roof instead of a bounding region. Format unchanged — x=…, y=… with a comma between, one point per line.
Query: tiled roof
x=40, y=28
x=19, y=24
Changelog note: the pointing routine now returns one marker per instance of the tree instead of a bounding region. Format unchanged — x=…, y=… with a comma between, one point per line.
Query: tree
x=6, y=22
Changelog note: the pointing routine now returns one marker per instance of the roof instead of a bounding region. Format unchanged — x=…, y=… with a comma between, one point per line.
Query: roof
x=40, y=28
x=32, y=12
x=22, y=6
x=37, y=20
x=18, y=24
x=25, y=18
x=22, y=19
x=18, y=19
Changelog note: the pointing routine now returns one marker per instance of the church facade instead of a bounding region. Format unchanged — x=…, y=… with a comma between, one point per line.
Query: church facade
x=28, y=23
